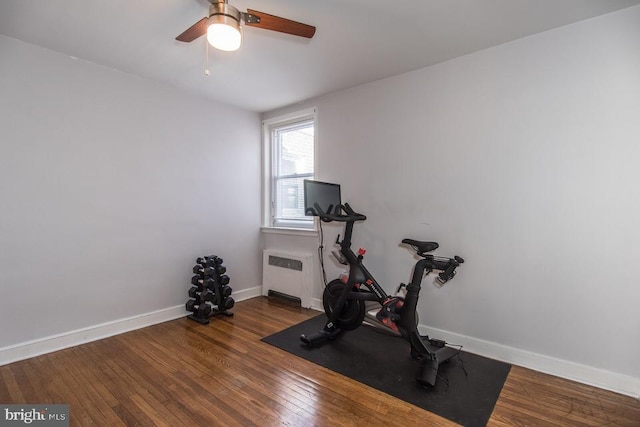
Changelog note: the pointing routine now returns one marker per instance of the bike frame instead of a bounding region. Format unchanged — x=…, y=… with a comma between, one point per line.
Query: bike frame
x=359, y=276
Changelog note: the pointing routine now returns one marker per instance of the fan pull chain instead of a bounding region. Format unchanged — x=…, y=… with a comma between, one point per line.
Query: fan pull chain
x=207, y=70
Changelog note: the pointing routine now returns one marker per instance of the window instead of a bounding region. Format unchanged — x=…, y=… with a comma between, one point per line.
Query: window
x=289, y=149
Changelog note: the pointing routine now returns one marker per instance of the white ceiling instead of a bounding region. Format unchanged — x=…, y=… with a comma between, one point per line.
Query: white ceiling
x=356, y=41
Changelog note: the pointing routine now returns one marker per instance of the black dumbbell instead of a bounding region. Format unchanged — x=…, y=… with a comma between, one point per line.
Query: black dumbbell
x=205, y=296
x=223, y=280
x=191, y=305
x=203, y=271
x=221, y=269
x=210, y=260
x=200, y=282
x=216, y=259
x=226, y=291
x=200, y=295
x=229, y=303
x=204, y=310
x=200, y=310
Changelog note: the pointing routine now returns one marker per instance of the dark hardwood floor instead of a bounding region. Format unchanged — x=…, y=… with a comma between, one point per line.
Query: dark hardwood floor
x=181, y=373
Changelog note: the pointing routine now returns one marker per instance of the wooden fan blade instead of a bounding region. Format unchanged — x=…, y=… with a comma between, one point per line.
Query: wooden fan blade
x=275, y=23
x=196, y=30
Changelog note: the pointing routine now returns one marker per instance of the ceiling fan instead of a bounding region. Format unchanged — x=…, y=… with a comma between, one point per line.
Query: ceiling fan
x=223, y=30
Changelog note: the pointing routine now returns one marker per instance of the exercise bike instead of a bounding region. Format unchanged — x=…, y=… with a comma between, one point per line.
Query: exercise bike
x=344, y=299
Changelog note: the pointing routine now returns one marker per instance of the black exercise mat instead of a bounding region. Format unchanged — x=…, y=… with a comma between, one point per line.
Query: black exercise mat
x=383, y=362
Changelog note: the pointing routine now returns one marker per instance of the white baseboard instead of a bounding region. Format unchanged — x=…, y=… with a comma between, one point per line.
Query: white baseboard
x=26, y=350
x=244, y=294
x=316, y=304
x=57, y=342
x=619, y=383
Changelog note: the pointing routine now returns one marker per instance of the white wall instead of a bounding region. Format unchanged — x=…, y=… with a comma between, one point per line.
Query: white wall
x=110, y=187
x=523, y=159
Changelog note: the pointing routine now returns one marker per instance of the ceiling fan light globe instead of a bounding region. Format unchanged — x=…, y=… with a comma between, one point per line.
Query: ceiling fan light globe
x=224, y=33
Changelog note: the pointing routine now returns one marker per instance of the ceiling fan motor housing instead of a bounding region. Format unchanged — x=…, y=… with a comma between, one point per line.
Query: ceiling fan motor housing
x=224, y=9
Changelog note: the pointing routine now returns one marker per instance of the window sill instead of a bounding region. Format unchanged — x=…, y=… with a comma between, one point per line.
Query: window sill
x=290, y=231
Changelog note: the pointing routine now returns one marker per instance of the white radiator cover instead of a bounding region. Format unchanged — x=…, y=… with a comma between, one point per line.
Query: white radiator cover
x=288, y=273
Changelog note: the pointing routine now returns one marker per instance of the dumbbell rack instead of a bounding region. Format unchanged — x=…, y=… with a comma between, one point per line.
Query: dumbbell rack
x=210, y=294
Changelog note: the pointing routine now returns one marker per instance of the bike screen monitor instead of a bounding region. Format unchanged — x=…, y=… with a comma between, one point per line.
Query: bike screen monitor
x=325, y=194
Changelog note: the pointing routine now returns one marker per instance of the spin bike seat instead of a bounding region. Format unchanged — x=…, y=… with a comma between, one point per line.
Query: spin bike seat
x=421, y=247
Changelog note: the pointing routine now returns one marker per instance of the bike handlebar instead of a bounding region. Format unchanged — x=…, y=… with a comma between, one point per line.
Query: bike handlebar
x=350, y=216
x=449, y=270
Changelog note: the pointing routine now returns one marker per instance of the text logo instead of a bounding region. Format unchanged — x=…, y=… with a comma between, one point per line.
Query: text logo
x=34, y=415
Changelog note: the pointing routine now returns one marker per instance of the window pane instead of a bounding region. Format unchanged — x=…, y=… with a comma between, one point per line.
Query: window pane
x=290, y=201
x=295, y=149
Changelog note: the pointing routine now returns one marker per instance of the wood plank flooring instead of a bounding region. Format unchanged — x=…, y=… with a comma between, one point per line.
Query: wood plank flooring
x=182, y=373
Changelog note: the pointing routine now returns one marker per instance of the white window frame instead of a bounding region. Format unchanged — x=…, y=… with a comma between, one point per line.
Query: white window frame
x=269, y=159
